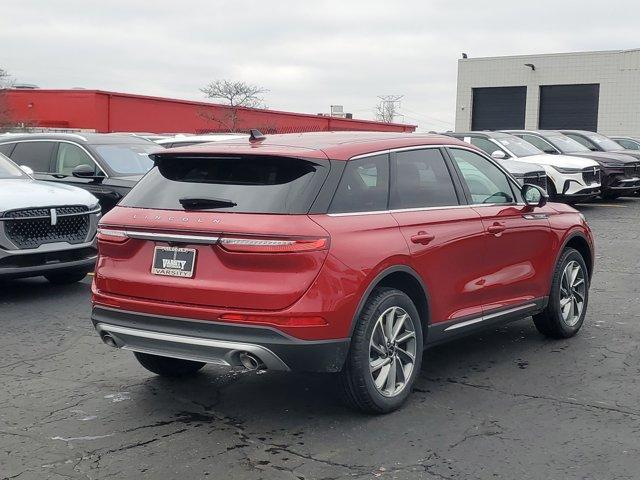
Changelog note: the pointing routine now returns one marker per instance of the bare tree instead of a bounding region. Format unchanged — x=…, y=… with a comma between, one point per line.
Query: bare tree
x=387, y=108
x=235, y=95
x=6, y=81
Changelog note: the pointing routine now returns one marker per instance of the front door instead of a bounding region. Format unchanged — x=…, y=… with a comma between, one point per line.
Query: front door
x=517, y=240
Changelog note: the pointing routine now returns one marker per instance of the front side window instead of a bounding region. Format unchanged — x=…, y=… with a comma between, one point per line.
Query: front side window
x=69, y=156
x=364, y=186
x=485, y=181
x=422, y=180
x=35, y=155
x=543, y=145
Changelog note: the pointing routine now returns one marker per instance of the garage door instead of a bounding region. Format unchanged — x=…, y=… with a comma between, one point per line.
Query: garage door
x=572, y=107
x=497, y=108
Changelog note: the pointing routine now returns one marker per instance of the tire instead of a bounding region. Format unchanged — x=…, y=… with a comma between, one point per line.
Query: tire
x=66, y=277
x=167, y=366
x=552, y=321
x=357, y=380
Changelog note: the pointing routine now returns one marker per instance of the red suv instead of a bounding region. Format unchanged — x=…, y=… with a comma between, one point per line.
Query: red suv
x=333, y=252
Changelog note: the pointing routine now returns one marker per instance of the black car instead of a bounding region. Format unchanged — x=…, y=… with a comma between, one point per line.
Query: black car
x=107, y=165
x=628, y=143
x=620, y=168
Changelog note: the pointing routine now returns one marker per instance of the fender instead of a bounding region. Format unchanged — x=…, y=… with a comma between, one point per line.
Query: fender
x=565, y=241
x=376, y=280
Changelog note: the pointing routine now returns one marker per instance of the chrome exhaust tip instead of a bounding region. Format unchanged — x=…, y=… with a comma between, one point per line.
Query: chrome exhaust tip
x=109, y=340
x=251, y=362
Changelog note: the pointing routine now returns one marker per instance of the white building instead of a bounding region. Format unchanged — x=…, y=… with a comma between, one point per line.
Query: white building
x=598, y=91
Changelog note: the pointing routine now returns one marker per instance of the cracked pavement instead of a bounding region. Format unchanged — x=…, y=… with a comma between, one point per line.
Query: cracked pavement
x=506, y=403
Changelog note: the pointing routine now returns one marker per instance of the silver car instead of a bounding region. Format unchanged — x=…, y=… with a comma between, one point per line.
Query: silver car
x=45, y=228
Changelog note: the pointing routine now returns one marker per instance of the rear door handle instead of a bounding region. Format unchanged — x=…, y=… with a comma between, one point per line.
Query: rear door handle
x=422, y=238
x=496, y=229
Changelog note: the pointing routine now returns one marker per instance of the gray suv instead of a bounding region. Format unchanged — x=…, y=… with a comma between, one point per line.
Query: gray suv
x=45, y=228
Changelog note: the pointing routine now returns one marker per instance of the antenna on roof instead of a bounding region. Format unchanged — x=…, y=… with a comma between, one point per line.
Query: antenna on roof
x=256, y=135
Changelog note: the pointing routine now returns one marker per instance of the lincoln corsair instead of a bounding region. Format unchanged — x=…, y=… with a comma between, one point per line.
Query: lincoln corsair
x=332, y=252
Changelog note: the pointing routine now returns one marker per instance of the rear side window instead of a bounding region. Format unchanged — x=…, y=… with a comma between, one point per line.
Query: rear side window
x=241, y=184
x=364, y=186
x=628, y=144
x=35, y=155
x=422, y=180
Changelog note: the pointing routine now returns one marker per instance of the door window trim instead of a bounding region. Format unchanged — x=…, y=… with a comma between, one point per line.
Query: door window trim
x=448, y=158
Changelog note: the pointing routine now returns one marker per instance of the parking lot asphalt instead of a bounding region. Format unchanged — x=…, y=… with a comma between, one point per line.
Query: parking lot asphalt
x=507, y=403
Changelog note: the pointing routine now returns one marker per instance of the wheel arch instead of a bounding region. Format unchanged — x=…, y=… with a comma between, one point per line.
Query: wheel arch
x=407, y=280
x=579, y=242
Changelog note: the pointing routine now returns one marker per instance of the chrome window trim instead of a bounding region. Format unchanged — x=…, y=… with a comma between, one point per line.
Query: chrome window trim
x=420, y=209
x=423, y=209
x=59, y=141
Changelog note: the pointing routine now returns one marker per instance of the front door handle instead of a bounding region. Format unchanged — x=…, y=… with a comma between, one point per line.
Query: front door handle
x=422, y=238
x=496, y=229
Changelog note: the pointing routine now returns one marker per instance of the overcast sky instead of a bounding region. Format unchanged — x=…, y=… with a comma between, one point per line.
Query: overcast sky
x=309, y=54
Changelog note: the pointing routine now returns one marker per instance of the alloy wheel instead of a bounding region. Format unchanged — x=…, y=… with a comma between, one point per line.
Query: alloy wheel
x=392, y=351
x=573, y=290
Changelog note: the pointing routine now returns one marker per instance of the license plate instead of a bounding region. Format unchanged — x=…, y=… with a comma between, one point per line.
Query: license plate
x=174, y=261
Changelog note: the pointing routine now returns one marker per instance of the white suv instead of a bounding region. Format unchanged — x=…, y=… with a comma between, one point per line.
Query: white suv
x=45, y=228
x=570, y=179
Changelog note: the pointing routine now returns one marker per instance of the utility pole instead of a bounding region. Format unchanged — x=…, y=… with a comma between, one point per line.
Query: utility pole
x=388, y=107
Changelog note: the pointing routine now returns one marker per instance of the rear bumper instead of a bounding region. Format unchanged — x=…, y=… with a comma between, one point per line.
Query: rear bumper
x=217, y=342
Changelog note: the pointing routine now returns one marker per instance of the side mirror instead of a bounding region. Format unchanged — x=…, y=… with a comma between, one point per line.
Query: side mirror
x=84, y=171
x=27, y=170
x=534, y=196
x=499, y=155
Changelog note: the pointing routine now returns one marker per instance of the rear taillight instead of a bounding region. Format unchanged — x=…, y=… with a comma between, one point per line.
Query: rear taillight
x=112, y=236
x=260, y=245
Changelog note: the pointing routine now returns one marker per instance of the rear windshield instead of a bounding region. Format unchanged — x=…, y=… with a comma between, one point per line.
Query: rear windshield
x=243, y=184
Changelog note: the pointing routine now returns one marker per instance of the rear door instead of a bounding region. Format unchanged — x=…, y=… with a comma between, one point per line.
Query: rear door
x=35, y=154
x=515, y=259
x=445, y=237
x=227, y=232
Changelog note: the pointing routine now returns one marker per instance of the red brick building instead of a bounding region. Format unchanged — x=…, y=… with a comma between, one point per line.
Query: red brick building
x=121, y=112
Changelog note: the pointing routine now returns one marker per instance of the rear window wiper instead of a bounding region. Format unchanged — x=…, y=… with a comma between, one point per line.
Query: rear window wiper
x=204, y=203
